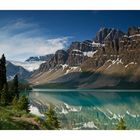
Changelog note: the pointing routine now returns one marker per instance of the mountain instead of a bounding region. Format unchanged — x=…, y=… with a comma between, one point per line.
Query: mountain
x=107, y=34
x=28, y=65
x=110, y=60
x=39, y=58
x=32, y=63
x=13, y=69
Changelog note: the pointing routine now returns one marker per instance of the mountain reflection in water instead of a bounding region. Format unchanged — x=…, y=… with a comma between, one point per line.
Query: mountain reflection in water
x=89, y=109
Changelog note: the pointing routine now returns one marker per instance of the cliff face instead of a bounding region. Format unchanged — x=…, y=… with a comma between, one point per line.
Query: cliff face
x=110, y=57
x=59, y=58
x=107, y=34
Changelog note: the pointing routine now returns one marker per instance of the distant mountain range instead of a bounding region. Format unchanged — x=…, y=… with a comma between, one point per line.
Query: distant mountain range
x=25, y=69
x=12, y=69
x=29, y=66
x=39, y=58
x=110, y=60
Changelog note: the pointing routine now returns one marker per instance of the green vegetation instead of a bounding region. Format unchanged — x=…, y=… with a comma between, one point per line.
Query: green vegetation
x=15, y=119
x=51, y=119
x=3, y=80
x=121, y=125
x=12, y=119
x=14, y=107
x=21, y=104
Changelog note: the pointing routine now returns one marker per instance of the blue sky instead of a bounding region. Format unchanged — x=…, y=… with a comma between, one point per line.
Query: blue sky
x=31, y=33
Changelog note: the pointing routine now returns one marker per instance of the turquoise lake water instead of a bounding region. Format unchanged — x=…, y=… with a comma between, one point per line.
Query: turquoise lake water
x=89, y=109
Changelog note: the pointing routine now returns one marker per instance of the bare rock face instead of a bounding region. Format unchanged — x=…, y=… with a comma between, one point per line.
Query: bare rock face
x=76, y=52
x=125, y=48
x=108, y=34
x=60, y=57
x=75, y=58
x=133, y=30
x=83, y=46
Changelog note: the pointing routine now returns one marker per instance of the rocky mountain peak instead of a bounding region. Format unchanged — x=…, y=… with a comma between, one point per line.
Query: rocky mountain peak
x=107, y=34
x=60, y=56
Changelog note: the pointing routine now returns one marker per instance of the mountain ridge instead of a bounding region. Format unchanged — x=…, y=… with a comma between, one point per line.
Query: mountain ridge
x=114, y=56
x=39, y=58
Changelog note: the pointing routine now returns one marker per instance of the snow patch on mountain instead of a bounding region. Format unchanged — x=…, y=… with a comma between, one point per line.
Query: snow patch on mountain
x=90, y=53
x=76, y=50
x=117, y=61
x=131, y=63
x=64, y=66
x=73, y=69
x=94, y=44
x=134, y=35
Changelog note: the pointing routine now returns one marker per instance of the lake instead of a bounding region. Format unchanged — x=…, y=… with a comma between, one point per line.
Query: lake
x=89, y=109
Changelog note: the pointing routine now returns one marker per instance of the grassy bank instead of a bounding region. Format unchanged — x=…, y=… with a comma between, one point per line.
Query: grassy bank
x=11, y=119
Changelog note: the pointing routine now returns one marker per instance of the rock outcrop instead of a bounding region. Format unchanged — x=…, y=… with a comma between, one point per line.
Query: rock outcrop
x=107, y=34
x=133, y=31
x=58, y=59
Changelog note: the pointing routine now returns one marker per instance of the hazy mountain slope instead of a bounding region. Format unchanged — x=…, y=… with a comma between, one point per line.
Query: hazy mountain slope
x=29, y=66
x=13, y=69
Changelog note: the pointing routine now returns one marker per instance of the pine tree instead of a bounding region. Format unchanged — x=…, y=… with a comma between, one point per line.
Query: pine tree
x=51, y=119
x=121, y=125
x=23, y=104
x=4, y=94
x=3, y=79
x=15, y=102
x=1, y=83
x=15, y=88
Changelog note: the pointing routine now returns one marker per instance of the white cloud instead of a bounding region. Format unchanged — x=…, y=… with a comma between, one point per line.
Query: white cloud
x=20, y=40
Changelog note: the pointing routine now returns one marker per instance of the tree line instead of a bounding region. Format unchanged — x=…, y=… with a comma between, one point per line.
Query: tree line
x=9, y=92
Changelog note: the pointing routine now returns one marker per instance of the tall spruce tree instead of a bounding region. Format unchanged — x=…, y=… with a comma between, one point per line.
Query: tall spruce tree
x=3, y=59
x=15, y=87
x=4, y=95
x=3, y=79
x=1, y=84
x=23, y=104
